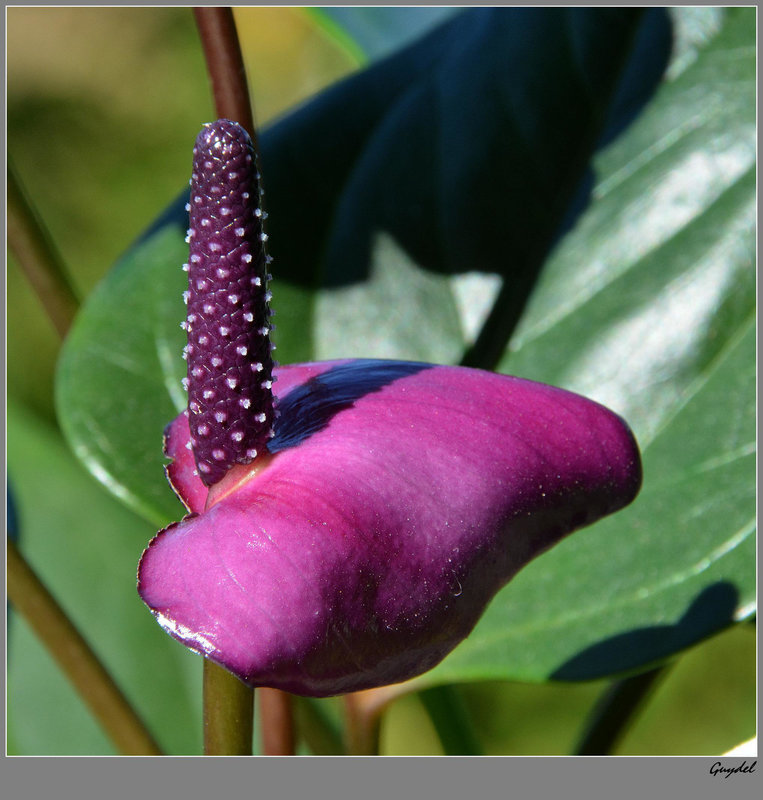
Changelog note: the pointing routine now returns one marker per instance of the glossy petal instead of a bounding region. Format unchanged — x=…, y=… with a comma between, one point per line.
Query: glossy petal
x=399, y=499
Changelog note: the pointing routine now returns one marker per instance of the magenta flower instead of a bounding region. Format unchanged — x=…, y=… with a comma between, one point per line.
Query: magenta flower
x=386, y=502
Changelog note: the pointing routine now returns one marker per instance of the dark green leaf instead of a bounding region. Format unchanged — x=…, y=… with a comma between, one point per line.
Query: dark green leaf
x=648, y=305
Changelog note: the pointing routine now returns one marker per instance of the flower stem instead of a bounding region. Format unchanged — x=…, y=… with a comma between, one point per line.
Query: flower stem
x=225, y=65
x=38, y=258
x=362, y=727
x=73, y=654
x=614, y=711
x=447, y=711
x=228, y=713
x=317, y=727
x=363, y=711
x=277, y=715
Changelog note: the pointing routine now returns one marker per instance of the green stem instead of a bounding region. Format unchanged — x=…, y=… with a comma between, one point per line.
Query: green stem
x=73, y=654
x=447, y=711
x=318, y=729
x=277, y=718
x=225, y=65
x=228, y=713
x=38, y=258
x=614, y=711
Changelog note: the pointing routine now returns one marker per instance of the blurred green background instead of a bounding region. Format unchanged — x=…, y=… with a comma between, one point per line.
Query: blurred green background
x=103, y=104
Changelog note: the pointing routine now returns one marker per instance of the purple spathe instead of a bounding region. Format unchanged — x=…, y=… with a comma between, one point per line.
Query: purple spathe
x=398, y=500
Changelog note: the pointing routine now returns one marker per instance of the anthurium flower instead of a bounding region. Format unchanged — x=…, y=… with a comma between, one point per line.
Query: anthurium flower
x=387, y=501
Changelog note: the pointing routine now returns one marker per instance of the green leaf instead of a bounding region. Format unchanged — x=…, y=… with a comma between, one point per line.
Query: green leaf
x=119, y=377
x=649, y=307
x=647, y=304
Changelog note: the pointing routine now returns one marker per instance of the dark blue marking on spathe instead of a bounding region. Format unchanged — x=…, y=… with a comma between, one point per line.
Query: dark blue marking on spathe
x=308, y=408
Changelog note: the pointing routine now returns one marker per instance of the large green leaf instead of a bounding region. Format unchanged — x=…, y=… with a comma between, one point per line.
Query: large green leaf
x=649, y=307
x=647, y=304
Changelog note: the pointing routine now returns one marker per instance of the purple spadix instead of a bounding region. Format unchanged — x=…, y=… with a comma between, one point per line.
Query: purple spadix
x=228, y=323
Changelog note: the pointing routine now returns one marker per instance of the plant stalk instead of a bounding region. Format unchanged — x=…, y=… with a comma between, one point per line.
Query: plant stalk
x=228, y=713
x=363, y=712
x=362, y=728
x=73, y=654
x=614, y=711
x=449, y=716
x=225, y=65
x=317, y=728
x=38, y=258
x=277, y=717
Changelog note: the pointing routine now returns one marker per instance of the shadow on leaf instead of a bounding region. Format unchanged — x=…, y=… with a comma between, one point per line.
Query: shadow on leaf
x=711, y=611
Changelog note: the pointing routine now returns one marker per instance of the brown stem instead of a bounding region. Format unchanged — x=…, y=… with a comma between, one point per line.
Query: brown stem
x=38, y=258
x=362, y=729
x=73, y=654
x=363, y=712
x=277, y=720
x=228, y=713
x=225, y=65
